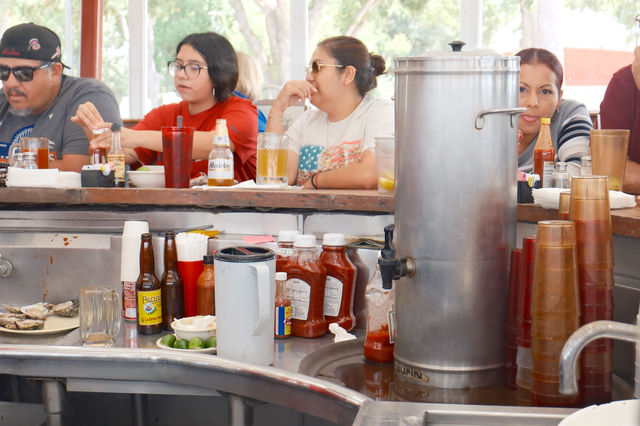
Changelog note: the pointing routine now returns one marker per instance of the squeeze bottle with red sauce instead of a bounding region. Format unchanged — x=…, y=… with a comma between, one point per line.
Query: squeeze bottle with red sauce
x=544, y=155
x=378, y=345
x=285, y=247
x=341, y=280
x=205, y=288
x=306, y=279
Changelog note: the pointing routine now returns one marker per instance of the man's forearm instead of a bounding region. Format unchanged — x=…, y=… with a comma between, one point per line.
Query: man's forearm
x=631, y=183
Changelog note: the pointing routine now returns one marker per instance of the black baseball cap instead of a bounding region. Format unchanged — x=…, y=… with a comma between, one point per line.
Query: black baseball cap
x=31, y=41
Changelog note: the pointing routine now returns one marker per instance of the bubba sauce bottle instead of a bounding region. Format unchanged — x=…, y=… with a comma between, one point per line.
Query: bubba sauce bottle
x=220, y=157
x=148, y=294
x=544, y=155
x=283, y=308
x=171, y=284
x=340, y=284
x=306, y=279
x=285, y=247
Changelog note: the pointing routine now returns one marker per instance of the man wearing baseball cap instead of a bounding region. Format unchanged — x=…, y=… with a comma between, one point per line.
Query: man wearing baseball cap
x=37, y=99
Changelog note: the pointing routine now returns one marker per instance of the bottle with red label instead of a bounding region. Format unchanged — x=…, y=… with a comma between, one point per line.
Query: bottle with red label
x=341, y=279
x=285, y=247
x=283, y=308
x=306, y=279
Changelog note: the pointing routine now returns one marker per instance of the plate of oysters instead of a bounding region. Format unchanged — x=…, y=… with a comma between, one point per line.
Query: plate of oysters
x=40, y=318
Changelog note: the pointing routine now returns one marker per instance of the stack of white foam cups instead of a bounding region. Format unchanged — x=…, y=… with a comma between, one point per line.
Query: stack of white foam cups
x=130, y=265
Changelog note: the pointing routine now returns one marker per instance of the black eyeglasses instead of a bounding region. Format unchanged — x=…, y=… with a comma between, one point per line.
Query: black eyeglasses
x=21, y=74
x=190, y=70
x=316, y=66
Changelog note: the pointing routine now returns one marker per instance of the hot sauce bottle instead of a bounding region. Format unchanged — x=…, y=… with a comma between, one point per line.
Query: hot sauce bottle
x=283, y=308
x=341, y=280
x=306, y=279
x=148, y=293
x=206, y=287
x=544, y=155
x=285, y=247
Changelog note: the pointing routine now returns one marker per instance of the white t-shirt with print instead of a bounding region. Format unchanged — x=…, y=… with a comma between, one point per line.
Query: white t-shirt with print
x=323, y=145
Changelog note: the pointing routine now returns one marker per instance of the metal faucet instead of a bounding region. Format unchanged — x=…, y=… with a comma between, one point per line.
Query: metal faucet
x=6, y=268
x=580, y=338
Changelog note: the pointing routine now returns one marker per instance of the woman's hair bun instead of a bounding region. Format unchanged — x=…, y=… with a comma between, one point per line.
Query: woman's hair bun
x=377, y=64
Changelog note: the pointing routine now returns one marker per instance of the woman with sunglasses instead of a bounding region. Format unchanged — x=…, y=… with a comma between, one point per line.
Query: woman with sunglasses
x=334, y=146
x=205, y=73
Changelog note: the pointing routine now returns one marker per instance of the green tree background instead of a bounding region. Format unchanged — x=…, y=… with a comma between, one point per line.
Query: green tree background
x=391, y=28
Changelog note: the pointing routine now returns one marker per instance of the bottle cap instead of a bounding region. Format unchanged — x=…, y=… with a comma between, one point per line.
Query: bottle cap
x=304, y=241
x=287, y=235
x=281, y=276
x=545, y=120
x=207, y=259
x=332, y=239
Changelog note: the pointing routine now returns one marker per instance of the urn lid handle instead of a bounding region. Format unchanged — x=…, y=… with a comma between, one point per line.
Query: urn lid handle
x=456, y=45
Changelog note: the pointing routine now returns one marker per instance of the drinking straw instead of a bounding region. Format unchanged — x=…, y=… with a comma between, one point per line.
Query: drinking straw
x=179, y=121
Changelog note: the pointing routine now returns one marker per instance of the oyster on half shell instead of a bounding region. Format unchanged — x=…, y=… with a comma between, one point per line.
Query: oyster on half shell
x=25, y=324
x=37, y=311
x=12, y=309
x=66, y=309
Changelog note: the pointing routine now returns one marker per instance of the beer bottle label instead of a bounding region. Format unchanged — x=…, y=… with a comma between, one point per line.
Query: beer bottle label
x=149, y=307
x=220, y=168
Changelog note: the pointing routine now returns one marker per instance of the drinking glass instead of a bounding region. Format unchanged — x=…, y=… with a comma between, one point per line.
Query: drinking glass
x=177, y=146
x=609, y=155
x=272, y=159
x=99, y=315
x=385, y=163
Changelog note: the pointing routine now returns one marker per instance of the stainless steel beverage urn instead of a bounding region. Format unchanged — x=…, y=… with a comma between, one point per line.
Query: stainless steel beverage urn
x=455, y=217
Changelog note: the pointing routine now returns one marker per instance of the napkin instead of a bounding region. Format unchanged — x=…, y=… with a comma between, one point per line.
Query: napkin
x=130, y=254
x=41, y=178
x=549, y=198
x=191, y=247
x=340, y=333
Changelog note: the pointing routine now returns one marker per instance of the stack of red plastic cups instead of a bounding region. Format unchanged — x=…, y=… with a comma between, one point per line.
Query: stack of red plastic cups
x=523, y=377
x=511, y=368
x=590, y=212
x=555, y=309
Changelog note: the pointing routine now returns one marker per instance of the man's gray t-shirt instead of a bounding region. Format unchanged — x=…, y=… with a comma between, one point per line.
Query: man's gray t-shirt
x=55, y=123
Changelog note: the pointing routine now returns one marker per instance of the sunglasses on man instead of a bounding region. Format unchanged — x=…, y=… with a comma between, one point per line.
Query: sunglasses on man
x=22, y=73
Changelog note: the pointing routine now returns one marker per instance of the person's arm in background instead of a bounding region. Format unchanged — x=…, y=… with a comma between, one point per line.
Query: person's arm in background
x=573, y=135
x=75, y=146
x=242, y=125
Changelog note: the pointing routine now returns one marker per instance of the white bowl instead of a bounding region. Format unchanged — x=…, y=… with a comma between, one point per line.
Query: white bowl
x=625, y=412
x=198, y=326
x=153, y=178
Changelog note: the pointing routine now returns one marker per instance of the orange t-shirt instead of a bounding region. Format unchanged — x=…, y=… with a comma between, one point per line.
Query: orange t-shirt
x=242, y=123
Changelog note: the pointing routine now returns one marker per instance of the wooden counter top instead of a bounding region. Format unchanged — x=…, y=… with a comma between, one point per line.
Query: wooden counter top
x=625, y=222
x=264, y=200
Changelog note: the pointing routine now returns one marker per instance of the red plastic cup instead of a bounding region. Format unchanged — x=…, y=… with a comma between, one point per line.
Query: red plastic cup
x=177, y=146
x=189, y=272
x=525, y=289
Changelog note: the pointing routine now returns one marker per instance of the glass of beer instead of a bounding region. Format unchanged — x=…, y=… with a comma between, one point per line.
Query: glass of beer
x=272, y=159
x=39, y=146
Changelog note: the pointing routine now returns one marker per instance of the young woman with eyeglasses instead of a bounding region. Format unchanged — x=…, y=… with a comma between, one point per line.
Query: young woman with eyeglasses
x=205, y=73
x=333, y=146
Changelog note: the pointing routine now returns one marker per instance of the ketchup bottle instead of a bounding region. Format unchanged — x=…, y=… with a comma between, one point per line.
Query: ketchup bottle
x=285, y=247
x=306, y=279
x=341, y=280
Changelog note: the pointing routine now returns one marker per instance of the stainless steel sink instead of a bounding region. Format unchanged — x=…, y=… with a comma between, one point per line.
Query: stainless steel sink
x=394, y=399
